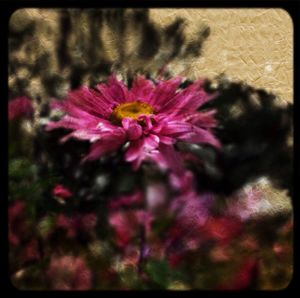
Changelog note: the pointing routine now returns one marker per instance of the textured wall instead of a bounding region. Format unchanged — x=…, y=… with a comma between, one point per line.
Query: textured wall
x=255, y=45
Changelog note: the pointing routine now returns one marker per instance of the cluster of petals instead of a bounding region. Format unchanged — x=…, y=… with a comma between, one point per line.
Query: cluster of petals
x=150, y=136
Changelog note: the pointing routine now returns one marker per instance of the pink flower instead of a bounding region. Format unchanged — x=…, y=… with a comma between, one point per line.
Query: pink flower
x=19, y=107
x=61, y=191
x=247, y=204
x=76, y=224
x=69, y=273
x=192, y=212
x=17, y=224
x=126, y=200
x=127, y=225
x=156, y=196
x=183, y=182
x=151, y=117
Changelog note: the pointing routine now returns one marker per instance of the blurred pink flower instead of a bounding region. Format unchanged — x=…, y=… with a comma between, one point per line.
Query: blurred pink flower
x=247, y=203
x=151, y=117
x=192, y=209
x=61, y=192
x=21, y=234
x=16, y=222
x=156, y=196
x=20, y=107
x=222, y=229
x=128, y=224
x=76, y=224
x=126, y=200
x=69, y=273
x=30, y=251
x=184, y=182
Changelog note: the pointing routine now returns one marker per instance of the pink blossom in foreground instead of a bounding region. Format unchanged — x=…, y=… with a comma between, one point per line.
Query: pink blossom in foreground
x=69, y=273
x=151, y=117
x=61, y=191
x=19, y=107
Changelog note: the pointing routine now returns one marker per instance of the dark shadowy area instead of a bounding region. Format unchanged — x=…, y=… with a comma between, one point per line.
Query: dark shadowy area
x=81, y=55
x=255, y=131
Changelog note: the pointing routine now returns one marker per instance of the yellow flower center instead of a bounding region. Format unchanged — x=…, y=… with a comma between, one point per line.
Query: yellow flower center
x=131, y=110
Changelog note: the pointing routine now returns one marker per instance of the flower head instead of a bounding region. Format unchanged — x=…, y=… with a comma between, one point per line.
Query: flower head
x=20, y=107
x=151, y=117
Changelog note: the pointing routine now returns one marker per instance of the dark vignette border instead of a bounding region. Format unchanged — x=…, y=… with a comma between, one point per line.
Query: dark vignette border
x=7, y=7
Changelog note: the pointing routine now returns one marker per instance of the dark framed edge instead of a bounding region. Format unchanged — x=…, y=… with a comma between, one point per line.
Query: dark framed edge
x=8, y=7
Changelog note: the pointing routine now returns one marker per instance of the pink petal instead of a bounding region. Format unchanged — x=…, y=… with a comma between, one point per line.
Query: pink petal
x=134, y=130
x=81, y=134
x=202, y=119
x=61, y=191
x=200, y=135
x=140, y=149
x=189, y=133
x=183, y=182
x=108, y=143
x=135, y=150
x=90, y=101
x=141, y=89
x=114, y=91
x=126, y=200
x=151, y=142
x=187, y=100
x=172, y=158
x=164, y=91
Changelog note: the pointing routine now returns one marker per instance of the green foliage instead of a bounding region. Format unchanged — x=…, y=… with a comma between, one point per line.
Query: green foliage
x=24, y=182
x=46, y=225
x=160, y=274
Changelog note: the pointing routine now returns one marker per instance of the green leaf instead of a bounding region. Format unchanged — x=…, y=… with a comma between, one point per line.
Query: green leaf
x=159, y=272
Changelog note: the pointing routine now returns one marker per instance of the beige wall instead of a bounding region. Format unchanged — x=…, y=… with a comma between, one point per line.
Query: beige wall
x=254, y=45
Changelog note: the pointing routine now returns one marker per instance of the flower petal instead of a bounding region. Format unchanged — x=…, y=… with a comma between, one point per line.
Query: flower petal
x=142, y=89
x=114, y=91
x=188, y=132
x=134, y=130
x=109, y=142
x=187, y=100
x=164, y=91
